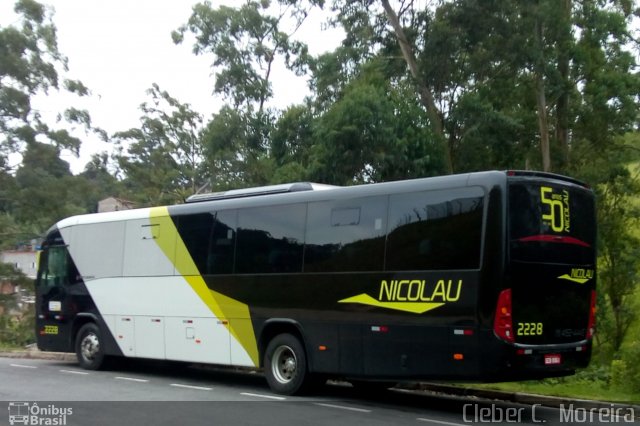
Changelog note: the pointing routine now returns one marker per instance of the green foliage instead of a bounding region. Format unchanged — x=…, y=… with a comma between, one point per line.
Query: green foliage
x=17, y=332
x=245, y=42
x=619, y=245
x=292, y=136
x=162, y=160
x=353, y=133
x=597, y=382
x=10, y=273
x=235, y=154
x=374, y=132
x=30, y=64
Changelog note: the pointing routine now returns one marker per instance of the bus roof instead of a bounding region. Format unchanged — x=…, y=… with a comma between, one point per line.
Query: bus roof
x=293, y=193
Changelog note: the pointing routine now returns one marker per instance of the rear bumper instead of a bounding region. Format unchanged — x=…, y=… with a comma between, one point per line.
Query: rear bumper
x=502, y=361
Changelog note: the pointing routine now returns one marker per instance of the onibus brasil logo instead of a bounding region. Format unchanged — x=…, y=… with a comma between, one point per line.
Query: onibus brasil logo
x=415, y=296
x=32, y=414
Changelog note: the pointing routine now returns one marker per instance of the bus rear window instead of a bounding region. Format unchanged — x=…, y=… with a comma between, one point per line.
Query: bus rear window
x=551, y=222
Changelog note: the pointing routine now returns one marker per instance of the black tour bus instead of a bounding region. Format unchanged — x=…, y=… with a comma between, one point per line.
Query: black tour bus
x=483, y=276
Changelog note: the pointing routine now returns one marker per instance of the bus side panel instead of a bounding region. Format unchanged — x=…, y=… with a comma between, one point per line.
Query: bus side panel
x=494, y=256
x=97, y=249
x=349, y=331
x=405, y=350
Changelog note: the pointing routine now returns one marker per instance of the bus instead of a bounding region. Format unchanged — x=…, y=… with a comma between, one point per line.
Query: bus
x=487, y=276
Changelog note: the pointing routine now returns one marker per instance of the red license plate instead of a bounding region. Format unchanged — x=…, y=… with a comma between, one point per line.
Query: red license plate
x=552, y=359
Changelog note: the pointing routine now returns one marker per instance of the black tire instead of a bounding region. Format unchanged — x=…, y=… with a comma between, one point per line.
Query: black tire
x=90, y=347
x=285, y=365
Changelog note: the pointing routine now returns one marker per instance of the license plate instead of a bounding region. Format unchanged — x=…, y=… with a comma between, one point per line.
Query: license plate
x=552, y=359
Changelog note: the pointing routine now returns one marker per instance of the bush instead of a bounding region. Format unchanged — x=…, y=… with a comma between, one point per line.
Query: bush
x=625, y=372
x=17, y=332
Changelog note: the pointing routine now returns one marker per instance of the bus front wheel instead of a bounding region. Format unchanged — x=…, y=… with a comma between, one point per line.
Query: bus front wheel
x=285, y=364
x=89, y=348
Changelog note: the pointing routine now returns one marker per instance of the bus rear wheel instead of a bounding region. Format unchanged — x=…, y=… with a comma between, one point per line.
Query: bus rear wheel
x=285, y=364
x=89, y=348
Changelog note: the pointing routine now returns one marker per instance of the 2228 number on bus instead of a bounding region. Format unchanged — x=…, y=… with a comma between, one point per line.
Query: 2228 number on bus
x=529, y=329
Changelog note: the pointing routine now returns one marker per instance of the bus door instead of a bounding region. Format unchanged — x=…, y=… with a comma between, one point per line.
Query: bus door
x=55, y=301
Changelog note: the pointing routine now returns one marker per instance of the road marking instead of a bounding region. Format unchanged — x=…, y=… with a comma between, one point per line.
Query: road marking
x=191, y=387
x=84, y=373
x=132, y=379
x=440, y=422
x=342, y=407
x=23, y=366
x=257, y=395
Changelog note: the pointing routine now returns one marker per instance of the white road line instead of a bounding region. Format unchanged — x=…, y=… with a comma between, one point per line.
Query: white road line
x=342, y=407
x=257, y=395
x=84, y=373
x=23, y=366
x=132, y=379
x=191, y=387
x=440, y=422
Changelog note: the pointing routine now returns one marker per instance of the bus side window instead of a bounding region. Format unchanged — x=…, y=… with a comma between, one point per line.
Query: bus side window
x=222, y=243
x=346, y=235
x=210, y=240
x=435, y=230
x=271, y=239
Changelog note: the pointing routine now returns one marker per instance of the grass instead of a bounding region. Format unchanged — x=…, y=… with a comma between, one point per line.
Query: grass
x=5, y=347
x=597, y=390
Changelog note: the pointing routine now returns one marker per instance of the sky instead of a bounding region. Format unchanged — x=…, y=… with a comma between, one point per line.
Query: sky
x=119, y=48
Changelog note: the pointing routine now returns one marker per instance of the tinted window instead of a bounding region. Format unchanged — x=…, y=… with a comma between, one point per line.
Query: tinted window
x=346, y=235
x=271, y=239
x=210, y=239
x=435, y=230
x=551, y=223
x=54, y=267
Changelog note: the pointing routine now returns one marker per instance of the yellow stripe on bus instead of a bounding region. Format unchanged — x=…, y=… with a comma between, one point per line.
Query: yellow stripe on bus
x=222, y=306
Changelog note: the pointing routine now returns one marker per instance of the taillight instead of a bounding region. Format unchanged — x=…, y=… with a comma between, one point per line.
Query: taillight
x=591, y=327
x=503, y=324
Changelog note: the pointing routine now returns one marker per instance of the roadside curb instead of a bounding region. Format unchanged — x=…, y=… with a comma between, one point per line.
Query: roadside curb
x=54, y=356
x=523, y=398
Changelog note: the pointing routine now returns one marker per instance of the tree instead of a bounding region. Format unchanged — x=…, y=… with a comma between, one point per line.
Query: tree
x=235, y=156
x=45, y=187
x=291, y=143
x=162, y=159
x=30, y=64
x=245, y=43
x=426, y=96
x=619, y=253
x=513, y=60
x=616, y=187
x=374, y=132
x=606, y=104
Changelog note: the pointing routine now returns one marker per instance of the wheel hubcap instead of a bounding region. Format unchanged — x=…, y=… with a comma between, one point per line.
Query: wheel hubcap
x=90, y=346
x=284, y=364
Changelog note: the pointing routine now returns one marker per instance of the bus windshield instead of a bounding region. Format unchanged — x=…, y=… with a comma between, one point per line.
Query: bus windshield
x=551, y=223
x=53, y=267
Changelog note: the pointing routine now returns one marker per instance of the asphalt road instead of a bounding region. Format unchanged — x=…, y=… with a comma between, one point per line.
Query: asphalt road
x=150, y=393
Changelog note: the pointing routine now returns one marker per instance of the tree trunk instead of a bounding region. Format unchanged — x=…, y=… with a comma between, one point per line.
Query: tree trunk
x=543, y=124
x=562, y=106
x=541, y=99
x=426, y=97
